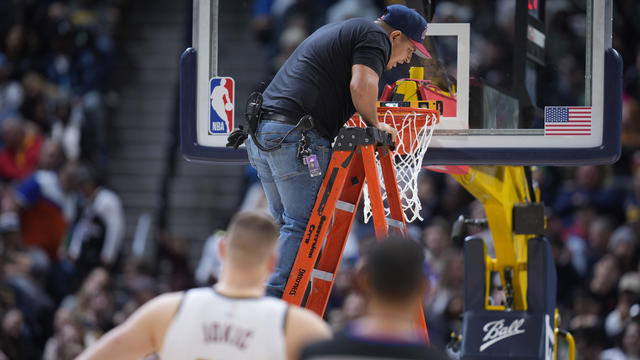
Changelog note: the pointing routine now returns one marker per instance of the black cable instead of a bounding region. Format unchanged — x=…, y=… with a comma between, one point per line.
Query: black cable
x=528, y=175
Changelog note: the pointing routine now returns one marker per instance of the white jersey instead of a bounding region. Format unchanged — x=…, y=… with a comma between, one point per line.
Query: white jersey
x=210, y=326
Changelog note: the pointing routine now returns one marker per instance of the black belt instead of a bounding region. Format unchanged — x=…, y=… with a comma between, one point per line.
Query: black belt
x=274, y=116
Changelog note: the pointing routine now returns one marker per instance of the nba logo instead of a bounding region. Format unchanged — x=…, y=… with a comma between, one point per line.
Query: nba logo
x=221, y=105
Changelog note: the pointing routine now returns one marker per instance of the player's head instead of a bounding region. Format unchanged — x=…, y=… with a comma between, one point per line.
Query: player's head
x=406, y=29
x=250, y=241
x=393, y=271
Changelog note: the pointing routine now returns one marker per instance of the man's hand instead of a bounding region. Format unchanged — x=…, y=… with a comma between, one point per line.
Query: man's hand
x=389, y=129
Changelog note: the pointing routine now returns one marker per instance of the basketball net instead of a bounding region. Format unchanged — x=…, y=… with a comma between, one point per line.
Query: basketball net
x=415, y=131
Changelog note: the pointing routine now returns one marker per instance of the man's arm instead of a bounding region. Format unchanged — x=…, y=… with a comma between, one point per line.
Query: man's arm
x=141, y=335
x=364, y=94
x=301, y=328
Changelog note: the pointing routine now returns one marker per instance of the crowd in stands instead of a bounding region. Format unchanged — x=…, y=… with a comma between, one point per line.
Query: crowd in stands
x=61, y=230
x=64, y=281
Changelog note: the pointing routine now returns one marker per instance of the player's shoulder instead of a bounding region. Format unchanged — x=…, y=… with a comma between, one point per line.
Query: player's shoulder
x=163, y=303
x=302, y=314
x=299, y=317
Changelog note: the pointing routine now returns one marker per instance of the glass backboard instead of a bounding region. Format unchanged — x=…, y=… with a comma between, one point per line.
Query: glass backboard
x=517, y=83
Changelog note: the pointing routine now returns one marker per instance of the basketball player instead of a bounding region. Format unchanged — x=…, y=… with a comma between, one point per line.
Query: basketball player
x=331, y=74
x=394, y=283
x=232, y=320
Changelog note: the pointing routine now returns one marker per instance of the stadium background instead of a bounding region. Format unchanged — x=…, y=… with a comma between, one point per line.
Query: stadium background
x=95, y=81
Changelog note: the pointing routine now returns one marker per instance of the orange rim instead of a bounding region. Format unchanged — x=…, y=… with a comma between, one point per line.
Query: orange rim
x=394, y=116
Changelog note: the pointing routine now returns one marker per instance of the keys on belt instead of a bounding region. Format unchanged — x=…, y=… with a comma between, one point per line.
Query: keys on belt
x=305, y=155
x=303, y=148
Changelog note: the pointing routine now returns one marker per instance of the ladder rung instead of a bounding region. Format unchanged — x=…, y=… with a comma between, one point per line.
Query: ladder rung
x=395, y=223
x=345, y=206
x=322, y=275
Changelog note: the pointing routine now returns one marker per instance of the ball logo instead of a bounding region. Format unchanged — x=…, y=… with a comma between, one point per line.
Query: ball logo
x=424, y=33
x=496, y=331
x=221, y=96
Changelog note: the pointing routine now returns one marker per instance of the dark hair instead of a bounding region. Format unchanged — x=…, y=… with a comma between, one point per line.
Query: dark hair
x=85, y=173
x=394, y=268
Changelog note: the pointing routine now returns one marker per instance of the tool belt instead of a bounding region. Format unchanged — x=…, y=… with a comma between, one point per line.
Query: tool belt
x=277, y=117
x=254, y=114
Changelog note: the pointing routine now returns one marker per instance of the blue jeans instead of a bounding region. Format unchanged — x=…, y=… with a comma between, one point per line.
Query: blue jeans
x=291, y=192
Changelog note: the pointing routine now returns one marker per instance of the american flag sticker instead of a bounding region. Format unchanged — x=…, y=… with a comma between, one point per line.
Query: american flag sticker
x=567, y=120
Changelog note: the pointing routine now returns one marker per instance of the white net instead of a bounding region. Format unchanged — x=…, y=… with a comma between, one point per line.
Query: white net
x=415, y=130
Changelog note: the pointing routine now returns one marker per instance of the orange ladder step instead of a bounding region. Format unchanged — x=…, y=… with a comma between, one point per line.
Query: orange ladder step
x=352, y=164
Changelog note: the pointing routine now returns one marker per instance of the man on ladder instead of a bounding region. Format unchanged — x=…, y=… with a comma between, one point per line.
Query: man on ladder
x=331, y=74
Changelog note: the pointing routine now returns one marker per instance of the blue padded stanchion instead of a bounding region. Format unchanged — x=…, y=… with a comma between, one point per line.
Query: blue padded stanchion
x=509, y=334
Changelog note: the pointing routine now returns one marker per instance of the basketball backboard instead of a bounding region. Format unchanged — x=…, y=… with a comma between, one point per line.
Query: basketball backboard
x=518, y=83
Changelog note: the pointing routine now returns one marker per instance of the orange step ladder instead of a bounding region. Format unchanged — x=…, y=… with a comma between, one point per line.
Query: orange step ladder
x=353, y=162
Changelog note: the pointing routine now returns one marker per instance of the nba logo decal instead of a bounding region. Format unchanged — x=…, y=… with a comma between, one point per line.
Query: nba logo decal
x=221, y=98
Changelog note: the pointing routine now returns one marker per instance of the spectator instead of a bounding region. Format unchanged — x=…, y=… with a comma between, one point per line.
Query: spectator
x=291, y=37
x=476, y=211
x=139, y=290
x=96, y=239
x=66, y=127
x=15, y=341
x=631, y=340
x=262, y=328
x=590, y=340
x=428, y=195
x=173, y=259
x=437, y=240
x=20, y=154
x=454, y=199
x=11, y=92
x=23, y=289
x=600, y=231
x=97, y=280
x=620, y=317
x=568, y=277
x=587, y=189
x=35, y=110
x=632, y=203
x=630, y=126
x=347, y=9
x=603, y=284
x=393, y=284
x=444, y=307
x=352, y=308
x=15, y=49
x=67, y=341
x=623, y=244
x=36, y=213
x=52, y=155
x=586, y=309
x=208, y=270
x=586, y=251
x=630, y=349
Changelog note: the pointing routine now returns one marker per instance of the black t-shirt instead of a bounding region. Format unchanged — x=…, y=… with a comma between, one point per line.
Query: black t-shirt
x=315, y=79
x=347, y=347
